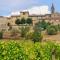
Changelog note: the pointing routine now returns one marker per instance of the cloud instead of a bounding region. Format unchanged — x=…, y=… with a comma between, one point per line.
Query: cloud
x=15, y=13
x=38, y=10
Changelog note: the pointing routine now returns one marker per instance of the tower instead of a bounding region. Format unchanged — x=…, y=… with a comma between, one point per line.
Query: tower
x=52, y=9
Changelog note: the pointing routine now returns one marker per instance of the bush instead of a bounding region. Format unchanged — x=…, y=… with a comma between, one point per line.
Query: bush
x=29, y=35
x=36, y=37
x=52, y=30
x=1, y=35
x=24, y=31
x=58, y=27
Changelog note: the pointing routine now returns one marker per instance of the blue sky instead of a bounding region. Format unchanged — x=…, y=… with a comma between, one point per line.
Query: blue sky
x=7, y=6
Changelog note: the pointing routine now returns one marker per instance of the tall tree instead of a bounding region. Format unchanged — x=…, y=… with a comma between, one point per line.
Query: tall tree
x=23, y=21
x=17, y=21
x=29, y=21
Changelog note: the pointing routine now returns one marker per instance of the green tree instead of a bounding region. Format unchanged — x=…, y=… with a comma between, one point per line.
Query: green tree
x=37, y=36
x=23, y=21
x=42, y=25
x=17, y=21
x=29, y=21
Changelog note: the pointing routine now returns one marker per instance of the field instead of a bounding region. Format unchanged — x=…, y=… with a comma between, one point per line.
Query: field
x=55, y=38
x=28, y=50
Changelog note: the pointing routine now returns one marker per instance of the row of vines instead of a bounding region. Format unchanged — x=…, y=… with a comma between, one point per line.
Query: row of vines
x=28, y=50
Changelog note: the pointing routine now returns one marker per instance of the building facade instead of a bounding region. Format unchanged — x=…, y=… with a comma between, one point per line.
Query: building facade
x=52, y=18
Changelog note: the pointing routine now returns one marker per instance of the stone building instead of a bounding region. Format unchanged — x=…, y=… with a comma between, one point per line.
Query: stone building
x=53, y=18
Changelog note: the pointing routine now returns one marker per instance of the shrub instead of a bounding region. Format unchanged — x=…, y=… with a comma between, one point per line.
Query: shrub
x=24, y=31
x=29, y=35
x=36, y=37
x=1, y=35
x=52, y=30
x=59, y=27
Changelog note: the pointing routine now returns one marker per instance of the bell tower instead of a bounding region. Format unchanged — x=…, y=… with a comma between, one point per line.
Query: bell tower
x=52, y=9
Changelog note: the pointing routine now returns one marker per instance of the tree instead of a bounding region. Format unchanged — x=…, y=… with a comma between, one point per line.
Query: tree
x=36, y=37
x=17, y=21
x=52, y=30
x=23, y=21
x=37, y=27
x=42, y=25
x=29, y=21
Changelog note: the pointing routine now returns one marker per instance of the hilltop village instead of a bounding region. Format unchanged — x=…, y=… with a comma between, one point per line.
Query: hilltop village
x=52, y=18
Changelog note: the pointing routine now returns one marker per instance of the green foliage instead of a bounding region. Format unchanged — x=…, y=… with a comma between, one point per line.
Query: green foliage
x=29, y=35
x=23, y=21
x=1, y=35
x=29, y=21
x=58, y=27
x=12, y=51
x=24, y=31
x=36, y=37
x=42, y=25
x=57, y=51
x=27, y=50
x=52, y=30
x=17, y=21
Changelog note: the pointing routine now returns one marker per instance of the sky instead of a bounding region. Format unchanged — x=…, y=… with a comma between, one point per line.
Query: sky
x=8, y=6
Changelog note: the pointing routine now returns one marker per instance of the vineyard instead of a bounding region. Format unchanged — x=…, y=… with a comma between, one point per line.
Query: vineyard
x=28, y=50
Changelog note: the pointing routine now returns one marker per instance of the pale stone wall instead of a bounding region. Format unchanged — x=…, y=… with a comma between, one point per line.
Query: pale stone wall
x=3, y=23
x=54, y=18
x=24, y=15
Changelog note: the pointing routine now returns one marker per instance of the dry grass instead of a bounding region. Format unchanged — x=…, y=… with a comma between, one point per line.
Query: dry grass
x=55, y=38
